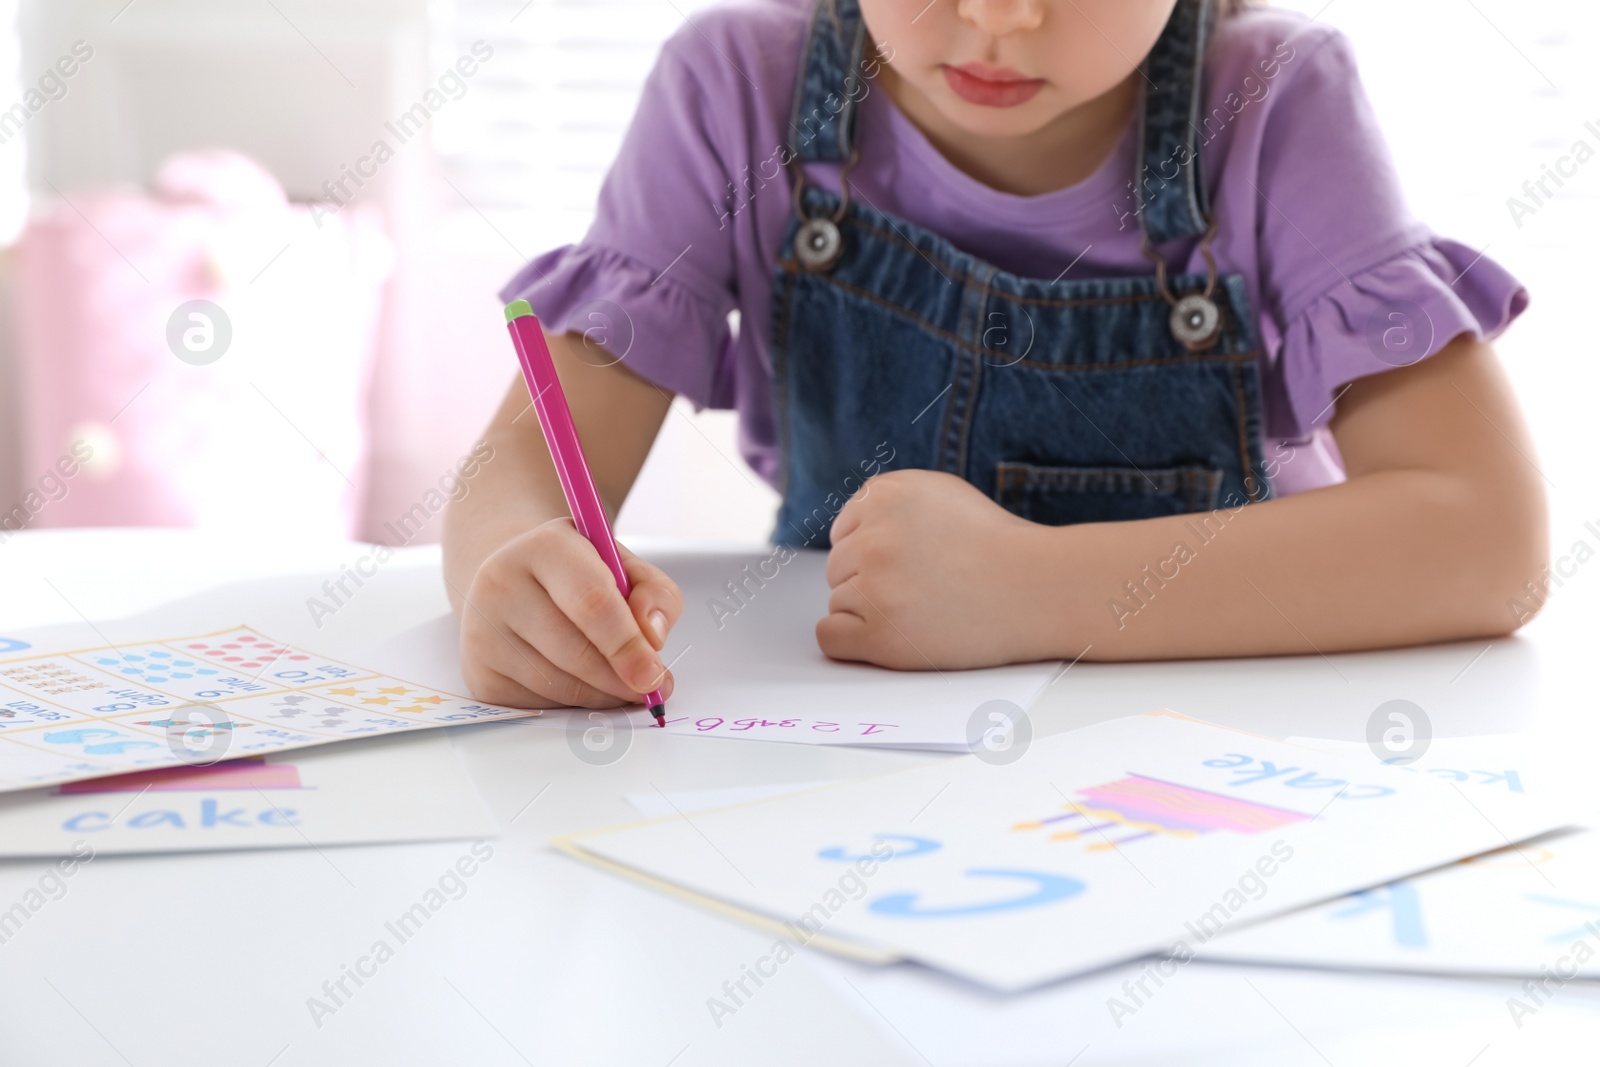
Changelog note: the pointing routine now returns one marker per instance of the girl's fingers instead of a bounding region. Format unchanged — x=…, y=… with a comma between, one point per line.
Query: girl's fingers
x=850, y=516
x=583, y=590
x=516, y=674
x=492, y=687
x=544, y=626
x=535, y=617
x=844, y=563
x=846, y=598
x=513, y=614
x=656, y=600
x=842, y=635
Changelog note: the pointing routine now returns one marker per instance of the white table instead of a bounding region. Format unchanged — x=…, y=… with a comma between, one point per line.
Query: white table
x=210, y=959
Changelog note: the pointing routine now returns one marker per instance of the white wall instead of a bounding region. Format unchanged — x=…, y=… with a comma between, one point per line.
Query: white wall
x=1476, y=98
x=304, y=86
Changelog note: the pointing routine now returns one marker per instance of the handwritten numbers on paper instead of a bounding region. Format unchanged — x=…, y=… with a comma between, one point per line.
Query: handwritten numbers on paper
x=715, y=724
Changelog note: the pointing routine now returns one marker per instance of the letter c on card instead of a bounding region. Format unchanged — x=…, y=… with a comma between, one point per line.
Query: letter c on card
x=917, y=846
x=1047, y=889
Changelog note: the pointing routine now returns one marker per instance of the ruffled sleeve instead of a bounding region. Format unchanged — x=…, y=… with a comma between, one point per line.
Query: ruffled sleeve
x=1391, y=315
x=654, y=279
x=659, y=327
x=1351, y=282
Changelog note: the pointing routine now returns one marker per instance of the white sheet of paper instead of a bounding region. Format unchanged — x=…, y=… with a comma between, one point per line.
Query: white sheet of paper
x=404, y=788
x=76, y=713
x=746, y=662
x=1515, y=911
x=660, y=805
x=1139, y=835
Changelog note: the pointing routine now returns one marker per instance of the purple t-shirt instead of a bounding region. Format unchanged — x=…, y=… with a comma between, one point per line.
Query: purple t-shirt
x=1303, y=190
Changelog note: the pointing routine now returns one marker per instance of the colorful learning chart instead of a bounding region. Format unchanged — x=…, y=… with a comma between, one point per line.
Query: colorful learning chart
x=1523, y=910
x=68, y=716
x=1147, y=834
x=404, y=787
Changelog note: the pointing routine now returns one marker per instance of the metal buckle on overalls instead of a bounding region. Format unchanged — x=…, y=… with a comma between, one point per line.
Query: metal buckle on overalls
x=1196, y=320
x=818, y=242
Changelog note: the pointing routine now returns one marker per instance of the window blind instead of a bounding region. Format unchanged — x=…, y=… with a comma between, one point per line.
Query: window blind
x=546, y=115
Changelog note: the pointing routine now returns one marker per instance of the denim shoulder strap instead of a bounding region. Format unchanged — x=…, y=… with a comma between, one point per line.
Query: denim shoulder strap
x=1171, y=189
x=830, y=85
x=1172, y=198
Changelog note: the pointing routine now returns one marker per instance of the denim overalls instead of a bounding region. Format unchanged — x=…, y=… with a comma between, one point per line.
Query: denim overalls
x=1066, y=401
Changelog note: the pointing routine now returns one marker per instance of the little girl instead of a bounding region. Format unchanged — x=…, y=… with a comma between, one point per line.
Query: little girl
x=1067, y=327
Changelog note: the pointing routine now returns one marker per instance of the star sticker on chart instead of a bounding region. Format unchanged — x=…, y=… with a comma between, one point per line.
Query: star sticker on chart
x=397, y=690
x=347, y=691
x=430, y=700
x=376, y=700
x=414, y=707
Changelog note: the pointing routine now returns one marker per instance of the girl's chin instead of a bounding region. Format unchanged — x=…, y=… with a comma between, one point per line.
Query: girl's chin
x=995, y=122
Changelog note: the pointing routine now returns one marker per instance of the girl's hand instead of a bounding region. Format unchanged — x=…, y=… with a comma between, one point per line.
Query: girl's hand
x=928, y=573
x=543, y=625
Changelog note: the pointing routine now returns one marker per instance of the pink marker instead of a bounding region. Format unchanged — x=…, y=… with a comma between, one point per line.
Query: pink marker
x=555, y=418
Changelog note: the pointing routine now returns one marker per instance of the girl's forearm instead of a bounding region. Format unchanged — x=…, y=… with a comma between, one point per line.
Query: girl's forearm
x=1390, y=558
x=617, y=414
x=515, y=491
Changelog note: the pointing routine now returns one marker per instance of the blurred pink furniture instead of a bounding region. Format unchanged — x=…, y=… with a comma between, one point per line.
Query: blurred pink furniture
x=272, y=433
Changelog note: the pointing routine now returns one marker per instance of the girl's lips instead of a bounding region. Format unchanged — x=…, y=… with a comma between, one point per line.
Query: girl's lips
x=988, y=86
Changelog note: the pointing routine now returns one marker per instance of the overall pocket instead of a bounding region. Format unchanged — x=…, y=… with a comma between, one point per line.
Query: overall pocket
x=1060, y=496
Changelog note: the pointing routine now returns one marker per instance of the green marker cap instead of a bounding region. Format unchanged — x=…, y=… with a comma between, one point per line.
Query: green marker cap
x=518, y=309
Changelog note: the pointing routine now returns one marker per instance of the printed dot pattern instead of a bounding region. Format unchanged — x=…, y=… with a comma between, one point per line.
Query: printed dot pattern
x=244, y=651
x=154, y=666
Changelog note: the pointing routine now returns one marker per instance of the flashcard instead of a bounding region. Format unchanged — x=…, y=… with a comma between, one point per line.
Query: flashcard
x=1529, y=909
x=1148, y=834
x=392, y=789
x=1515, y=911
x=195, y=700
